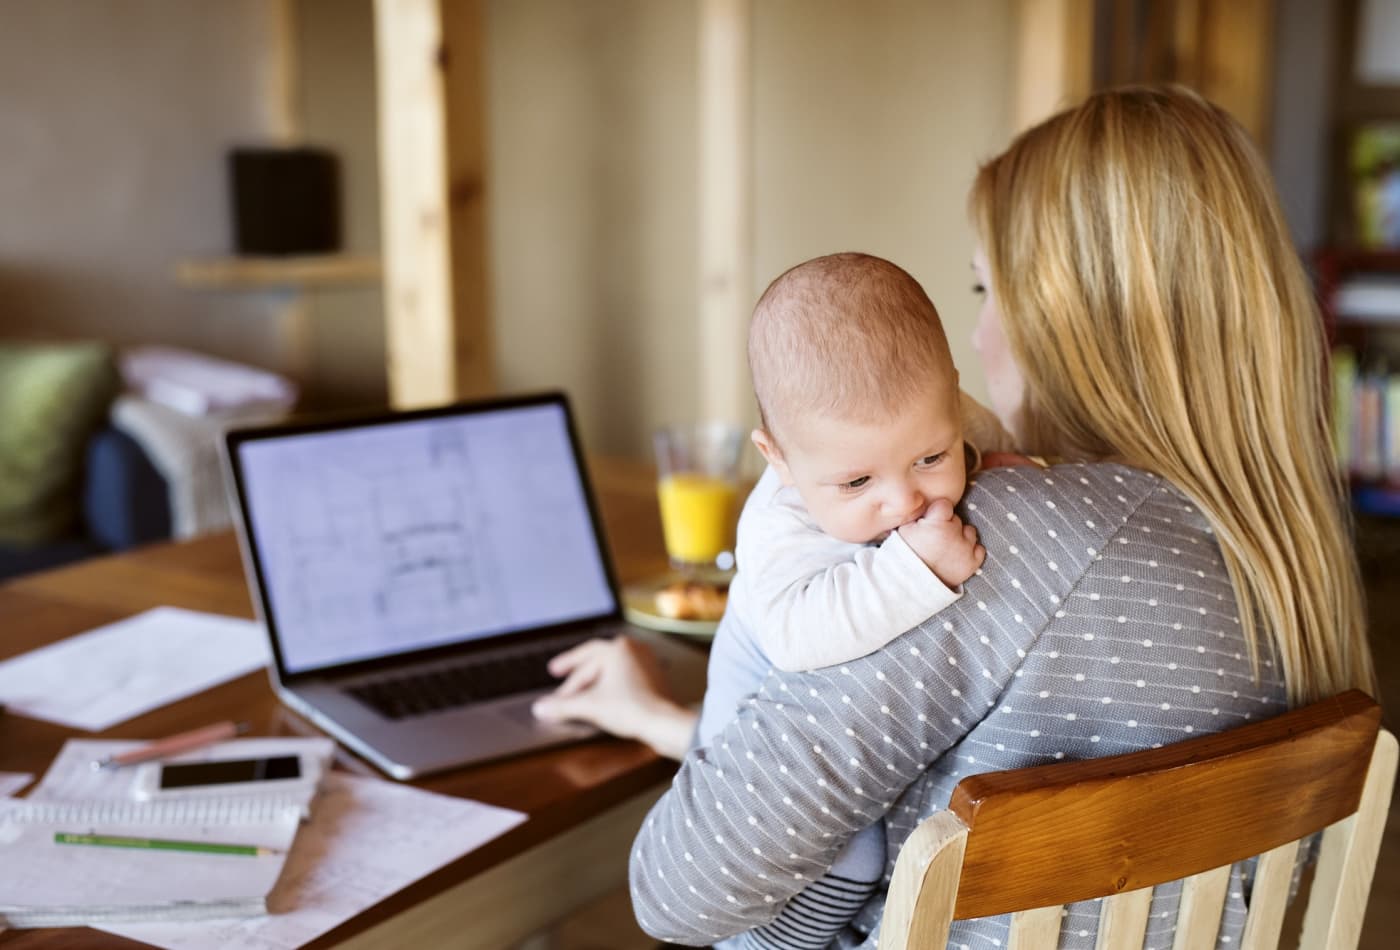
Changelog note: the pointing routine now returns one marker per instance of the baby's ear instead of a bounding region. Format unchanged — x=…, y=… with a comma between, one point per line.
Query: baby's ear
x=768, y=448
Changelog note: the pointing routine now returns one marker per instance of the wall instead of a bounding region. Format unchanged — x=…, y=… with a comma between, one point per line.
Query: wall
x=868, y=121
x=336, y=109
x=114, y=119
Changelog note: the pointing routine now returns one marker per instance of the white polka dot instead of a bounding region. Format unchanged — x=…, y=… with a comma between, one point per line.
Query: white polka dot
x=1014, y=550
x=1166, y=706
x=1122, y=618
x=1079, y=677
x=1088, y=523
x=1088, y=636
x=1132, y=723
x=1070, y=717
x=1052, y=533
x=1147, y=643
x=1126, y=579
x=1011, y=516
x=1053, y=566
x=1152, y=602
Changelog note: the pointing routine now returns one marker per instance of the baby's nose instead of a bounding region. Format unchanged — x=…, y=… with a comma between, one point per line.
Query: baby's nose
x=910, y=507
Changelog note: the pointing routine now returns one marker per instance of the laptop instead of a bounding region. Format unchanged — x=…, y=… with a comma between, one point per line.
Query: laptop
x=416, y=570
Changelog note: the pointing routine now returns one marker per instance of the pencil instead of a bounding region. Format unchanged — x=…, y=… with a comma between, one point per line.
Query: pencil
x=162, y=844
x=172, y=745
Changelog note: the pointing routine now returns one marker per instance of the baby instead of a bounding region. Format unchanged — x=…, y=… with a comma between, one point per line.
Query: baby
x=849, y=539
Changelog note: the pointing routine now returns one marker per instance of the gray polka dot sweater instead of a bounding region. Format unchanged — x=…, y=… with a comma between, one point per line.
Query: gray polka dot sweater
x=1102, y=622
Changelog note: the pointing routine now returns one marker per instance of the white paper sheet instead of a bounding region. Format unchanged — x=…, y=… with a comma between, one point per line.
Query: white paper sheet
x=367, y=838
x=105, y=676
x=11, y=782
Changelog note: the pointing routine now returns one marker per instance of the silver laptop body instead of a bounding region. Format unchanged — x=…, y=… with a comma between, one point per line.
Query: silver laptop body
x=396, y=557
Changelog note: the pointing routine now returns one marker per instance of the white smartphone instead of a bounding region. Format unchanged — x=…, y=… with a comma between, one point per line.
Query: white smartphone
x=260, y=775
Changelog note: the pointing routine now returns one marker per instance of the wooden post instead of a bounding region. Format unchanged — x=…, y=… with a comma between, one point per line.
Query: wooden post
x=431, y=151
x=726, y=241
x=1056, y=58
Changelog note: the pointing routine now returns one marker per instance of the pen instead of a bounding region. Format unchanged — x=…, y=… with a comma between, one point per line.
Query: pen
x=171, y=745
x=162, y=844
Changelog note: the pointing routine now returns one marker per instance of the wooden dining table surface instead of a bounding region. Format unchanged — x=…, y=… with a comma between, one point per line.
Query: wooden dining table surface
x=559, y=789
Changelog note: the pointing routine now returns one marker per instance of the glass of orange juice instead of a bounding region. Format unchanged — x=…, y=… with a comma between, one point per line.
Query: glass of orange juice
x=698, y=487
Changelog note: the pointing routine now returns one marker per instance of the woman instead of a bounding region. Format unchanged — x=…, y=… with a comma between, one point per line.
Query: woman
x=1188, y=569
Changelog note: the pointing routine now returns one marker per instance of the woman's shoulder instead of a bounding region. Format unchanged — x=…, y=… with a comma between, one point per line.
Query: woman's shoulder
x=1066, y=503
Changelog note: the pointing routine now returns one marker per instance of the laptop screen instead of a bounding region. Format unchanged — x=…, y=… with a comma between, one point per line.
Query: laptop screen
x=413, y=533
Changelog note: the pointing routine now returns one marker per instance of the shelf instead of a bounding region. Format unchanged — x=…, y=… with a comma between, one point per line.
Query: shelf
x=311, y=272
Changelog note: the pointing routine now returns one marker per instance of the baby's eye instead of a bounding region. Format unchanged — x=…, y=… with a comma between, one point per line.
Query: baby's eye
x=856, y=483
x=978, y=289
x=933, y=459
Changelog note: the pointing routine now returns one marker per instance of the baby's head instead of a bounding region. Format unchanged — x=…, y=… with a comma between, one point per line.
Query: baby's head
x=857, y=394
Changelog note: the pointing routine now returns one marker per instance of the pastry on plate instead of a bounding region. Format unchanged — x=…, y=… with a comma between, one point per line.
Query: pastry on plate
x=692, y=600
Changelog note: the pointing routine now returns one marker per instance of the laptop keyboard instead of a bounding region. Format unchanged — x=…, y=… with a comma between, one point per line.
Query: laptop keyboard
x=448, y=687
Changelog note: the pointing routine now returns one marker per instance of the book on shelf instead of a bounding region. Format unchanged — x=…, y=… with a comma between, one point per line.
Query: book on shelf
x=1375, y=183
x=1366, y=418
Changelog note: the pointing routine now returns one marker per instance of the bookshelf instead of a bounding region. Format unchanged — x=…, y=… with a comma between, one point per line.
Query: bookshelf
x=1359, y=290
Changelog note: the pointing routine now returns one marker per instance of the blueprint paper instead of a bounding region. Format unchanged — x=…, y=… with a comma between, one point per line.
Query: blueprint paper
x=97, y=679
x=366, y=839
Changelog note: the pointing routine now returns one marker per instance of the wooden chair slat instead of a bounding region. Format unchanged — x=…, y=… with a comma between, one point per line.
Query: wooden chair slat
x=1123, y=920
x=1347, y=860
x=1202, y=902
x=918, y=907
x=1037, y=929
x=1268, y=900
x=1299, y=772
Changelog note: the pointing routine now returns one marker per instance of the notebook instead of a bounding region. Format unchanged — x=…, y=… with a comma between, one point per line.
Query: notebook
x=415, y=571
x=48, y=883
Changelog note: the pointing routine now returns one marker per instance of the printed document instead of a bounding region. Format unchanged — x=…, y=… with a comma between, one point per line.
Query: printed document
x=97, y=679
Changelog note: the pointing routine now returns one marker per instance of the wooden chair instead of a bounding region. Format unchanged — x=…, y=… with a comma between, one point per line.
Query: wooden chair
x=1132, y=821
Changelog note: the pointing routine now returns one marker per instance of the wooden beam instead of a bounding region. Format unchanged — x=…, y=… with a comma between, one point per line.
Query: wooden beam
x=1055, y=65
x=726, y=239
x=432, y=186
x=1237, y=62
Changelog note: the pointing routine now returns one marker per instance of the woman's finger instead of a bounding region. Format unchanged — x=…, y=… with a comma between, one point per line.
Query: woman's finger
x=582, y=676
x=561, y=663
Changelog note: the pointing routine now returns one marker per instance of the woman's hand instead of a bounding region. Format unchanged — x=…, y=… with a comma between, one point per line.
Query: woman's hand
x=617, y=685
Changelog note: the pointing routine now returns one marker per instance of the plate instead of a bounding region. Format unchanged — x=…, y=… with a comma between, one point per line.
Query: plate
x=639, y=607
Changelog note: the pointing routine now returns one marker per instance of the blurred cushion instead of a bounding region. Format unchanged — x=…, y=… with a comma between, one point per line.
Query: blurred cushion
x=52, y=397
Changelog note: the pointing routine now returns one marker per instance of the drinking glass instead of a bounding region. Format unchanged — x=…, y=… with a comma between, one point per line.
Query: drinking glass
x=698, y=487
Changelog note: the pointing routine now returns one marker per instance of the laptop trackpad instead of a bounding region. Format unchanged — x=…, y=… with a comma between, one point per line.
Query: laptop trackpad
x=518, y=711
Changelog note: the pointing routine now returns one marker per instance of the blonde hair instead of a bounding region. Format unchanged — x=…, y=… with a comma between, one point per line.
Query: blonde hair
x=1159, y=315
x=846, y=335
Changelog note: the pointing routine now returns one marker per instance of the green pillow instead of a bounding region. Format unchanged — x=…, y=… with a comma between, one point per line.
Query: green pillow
x=52, y=397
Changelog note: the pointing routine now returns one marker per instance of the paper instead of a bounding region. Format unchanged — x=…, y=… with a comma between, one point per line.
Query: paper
x=367, y=838
x=71, y=777
x=11, y=782
x=48, y=883
x=105, y=676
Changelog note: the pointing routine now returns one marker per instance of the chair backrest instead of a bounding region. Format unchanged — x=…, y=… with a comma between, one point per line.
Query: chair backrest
x=1001, y=845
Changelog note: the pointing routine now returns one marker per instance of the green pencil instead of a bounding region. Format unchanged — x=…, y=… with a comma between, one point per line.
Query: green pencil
x=162, y=844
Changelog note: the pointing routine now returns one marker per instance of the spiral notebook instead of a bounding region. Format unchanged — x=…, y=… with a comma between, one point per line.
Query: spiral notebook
x=48, y=883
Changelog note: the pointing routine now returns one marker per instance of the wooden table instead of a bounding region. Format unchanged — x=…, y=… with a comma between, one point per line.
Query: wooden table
x=584, y=801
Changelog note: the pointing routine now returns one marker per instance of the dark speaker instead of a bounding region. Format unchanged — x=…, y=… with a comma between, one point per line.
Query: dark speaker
x=285, y=201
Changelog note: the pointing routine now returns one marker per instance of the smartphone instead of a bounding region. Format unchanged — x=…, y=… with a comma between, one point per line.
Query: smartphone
x=204, y=778
x=228, y=772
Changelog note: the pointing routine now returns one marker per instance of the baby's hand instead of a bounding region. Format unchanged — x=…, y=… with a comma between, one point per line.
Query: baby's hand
x=944, y=543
